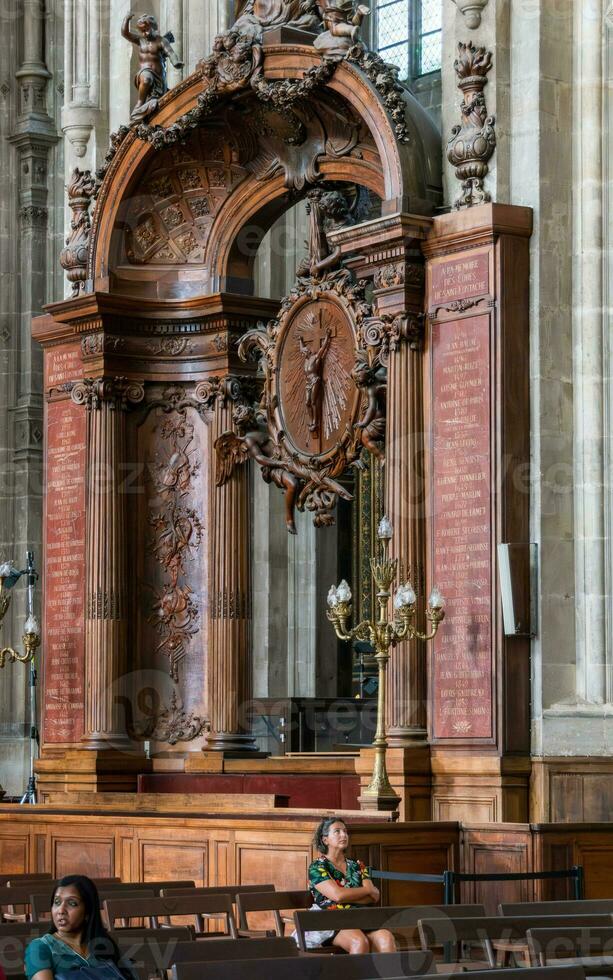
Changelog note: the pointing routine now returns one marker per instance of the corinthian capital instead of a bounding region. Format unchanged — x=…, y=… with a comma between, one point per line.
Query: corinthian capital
x=117, y=393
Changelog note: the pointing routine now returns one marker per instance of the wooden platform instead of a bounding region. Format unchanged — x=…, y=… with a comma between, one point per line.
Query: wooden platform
x=275, y=845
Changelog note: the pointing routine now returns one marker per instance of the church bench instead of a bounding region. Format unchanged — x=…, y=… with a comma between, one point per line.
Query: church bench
x=370, y=966
x=587, y=906
x=232, y=890
x=40, y=902
x=11, y=879
x=18, y=895
x=590, y=948
x=155, y=956
x=400, y=919
x=505, y=934
x=273, y=902
x=154, y=909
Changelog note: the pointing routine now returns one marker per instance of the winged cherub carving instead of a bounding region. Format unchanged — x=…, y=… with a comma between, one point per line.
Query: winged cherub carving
x=342, y=22
x=253, y=441
x=370, y=430
x=153, y=51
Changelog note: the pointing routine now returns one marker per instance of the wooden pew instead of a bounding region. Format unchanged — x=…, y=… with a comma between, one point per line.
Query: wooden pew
x=153, y=909
x=12, y=896
x=232, y=890
x=400, y=919
x=273, y=902
x=27, y=878
x=40, y=903
x=504, y=933
x=588, y=906
x=591, y=949
x=371, y=966
x=153, y=957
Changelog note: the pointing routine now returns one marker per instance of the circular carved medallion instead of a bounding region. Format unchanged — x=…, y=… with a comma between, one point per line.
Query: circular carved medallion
x=317, y=398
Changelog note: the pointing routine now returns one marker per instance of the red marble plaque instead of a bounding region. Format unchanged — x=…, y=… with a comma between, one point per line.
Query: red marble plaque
x=64, y=556
x=462, y=533
x=459, y=278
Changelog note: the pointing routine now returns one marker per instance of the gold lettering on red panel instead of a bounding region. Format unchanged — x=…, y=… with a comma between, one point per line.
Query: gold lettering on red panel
x=64, y=556
x=462, y=654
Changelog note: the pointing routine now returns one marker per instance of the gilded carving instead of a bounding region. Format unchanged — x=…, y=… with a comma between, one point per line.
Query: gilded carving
x=73, y=258
x=473, y=142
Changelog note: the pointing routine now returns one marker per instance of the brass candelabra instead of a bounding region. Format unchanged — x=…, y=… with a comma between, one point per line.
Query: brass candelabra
x=9, y=575
x=384, y=633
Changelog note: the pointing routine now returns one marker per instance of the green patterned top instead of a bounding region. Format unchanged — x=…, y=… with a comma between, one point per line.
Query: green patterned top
x=323, y=870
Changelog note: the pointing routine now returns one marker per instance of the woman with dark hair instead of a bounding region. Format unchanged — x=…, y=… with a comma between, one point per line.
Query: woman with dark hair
x=77, y=938
x=338, y=882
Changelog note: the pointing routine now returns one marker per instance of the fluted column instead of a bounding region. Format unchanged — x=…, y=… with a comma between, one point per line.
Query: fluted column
x=404, y=494
x=229, y=667
x=105, y=555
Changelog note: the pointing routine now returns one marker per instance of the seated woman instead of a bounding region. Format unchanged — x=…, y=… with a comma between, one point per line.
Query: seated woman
x=338, y=882
x=76, y=937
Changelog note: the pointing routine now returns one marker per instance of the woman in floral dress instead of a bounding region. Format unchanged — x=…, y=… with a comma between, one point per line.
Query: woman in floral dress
x=338, y=882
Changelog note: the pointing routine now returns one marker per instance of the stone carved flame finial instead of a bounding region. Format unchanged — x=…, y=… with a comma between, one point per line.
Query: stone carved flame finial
x=473, y=142
x=73, y=258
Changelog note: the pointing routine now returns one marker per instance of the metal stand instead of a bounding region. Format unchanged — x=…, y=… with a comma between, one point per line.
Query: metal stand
x=30, y=794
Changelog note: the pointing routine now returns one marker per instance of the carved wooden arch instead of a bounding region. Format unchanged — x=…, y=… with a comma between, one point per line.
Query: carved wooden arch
x=405, y=171
x=264, y=204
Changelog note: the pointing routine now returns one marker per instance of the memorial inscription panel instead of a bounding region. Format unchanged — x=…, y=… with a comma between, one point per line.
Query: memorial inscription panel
x=461, y=528
x=64, y=554
x=459, y=279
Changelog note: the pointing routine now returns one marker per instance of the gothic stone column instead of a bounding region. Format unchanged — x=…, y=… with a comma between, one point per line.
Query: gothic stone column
x=229, y=669
x=105, y=556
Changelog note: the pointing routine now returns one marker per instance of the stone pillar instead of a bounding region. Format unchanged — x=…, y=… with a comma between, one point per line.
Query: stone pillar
x=229, y=668
x=105, y=556
x=588, y=363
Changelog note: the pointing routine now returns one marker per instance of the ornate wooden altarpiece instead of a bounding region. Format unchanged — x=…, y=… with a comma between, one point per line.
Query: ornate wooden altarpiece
x=164, y=374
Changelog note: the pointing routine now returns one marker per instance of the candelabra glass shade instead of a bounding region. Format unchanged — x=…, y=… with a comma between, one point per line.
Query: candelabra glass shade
x=385, y=530
x=436, y=600
x=405, y=596
x=343, y=592
x=32, y=626
x=8, y=570
x=332, y=597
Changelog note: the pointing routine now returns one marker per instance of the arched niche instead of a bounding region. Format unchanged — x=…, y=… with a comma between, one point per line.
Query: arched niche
x=187, y=219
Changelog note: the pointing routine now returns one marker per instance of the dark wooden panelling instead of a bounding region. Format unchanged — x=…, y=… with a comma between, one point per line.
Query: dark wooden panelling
x=73, y=854
x=181, y=861
x=14, y=853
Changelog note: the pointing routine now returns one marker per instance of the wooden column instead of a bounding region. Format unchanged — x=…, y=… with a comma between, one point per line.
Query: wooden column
x=229, y=664
x=388, y=252
x=105, y=556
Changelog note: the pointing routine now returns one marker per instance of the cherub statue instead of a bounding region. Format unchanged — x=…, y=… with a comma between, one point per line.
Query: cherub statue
x=253, y=441
x=236, y=62
x=153, y=51
x=370, y=430
x=342, y=24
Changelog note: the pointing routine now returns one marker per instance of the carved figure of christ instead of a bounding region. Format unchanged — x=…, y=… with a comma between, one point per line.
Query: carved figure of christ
x=319, y=338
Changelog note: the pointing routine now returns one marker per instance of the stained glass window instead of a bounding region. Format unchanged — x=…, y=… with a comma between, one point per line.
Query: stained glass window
x=409, y=35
